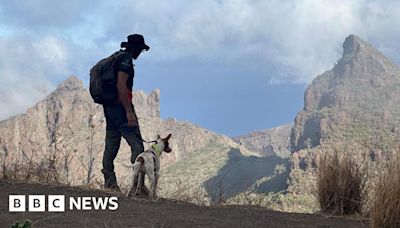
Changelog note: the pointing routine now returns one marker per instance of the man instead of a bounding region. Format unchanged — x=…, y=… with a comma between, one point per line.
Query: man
x=121, y=119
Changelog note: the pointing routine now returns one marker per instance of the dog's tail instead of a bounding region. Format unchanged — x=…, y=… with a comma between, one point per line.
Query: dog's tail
x=128, y=166
x=138, y=163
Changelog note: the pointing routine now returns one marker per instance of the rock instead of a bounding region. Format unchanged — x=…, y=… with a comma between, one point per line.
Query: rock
x=274, y=141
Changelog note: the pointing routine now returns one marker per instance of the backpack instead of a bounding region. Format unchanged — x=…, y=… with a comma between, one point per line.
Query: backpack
x=103, y=80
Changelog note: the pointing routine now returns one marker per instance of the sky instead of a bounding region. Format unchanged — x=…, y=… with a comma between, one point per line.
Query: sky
x=231, y=66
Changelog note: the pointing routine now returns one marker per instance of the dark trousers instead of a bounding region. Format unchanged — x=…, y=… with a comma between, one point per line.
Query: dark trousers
x=117, y=126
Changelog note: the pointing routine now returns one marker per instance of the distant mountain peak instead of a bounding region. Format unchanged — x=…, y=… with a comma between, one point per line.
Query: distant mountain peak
x=71, y=83
x=361, y=60
x=353, y=45
x=273, y=141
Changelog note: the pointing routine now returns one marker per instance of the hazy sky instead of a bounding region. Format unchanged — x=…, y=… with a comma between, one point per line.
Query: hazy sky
x=229, y=66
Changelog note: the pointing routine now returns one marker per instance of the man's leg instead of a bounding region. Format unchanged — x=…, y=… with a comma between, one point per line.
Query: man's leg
x=133, y=138
x=113, y=140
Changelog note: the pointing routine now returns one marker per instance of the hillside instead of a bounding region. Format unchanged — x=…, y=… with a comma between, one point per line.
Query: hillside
x=64, y=134
x=143, y=213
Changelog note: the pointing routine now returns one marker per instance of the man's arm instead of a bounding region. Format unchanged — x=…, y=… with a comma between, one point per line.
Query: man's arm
x=124, y=98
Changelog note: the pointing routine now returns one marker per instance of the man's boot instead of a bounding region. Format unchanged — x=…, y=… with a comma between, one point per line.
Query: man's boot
x=110, y=180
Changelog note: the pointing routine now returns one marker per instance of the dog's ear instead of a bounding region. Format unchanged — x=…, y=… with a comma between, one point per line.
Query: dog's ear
x=167, y=138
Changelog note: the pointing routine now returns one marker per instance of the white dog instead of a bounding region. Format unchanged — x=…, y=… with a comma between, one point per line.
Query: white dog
x=148, y=163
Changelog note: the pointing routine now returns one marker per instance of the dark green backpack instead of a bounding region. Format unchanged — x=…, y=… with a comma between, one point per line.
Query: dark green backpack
x=103, y=81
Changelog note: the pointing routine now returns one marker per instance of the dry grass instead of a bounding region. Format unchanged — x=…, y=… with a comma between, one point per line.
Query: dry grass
x=44, y=171
x=184, y=192
x=385, y=208
x=340, y=183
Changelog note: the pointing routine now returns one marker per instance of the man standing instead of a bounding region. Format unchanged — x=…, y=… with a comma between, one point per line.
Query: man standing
x=121, y=119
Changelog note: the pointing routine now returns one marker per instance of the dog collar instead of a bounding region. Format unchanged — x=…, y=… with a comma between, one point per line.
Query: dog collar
x=156, y=149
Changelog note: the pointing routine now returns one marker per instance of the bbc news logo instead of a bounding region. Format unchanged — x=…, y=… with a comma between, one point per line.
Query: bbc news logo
x=56, y=203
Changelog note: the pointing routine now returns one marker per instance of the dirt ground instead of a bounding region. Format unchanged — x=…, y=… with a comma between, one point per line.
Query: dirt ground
x=133, y=212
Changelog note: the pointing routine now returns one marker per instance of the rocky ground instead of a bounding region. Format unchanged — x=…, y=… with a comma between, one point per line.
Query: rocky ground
x=133, y=212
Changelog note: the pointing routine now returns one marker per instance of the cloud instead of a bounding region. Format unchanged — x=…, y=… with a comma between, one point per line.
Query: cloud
x=43, y=14
x=292, y=40
x=28, y=70
x=287, y=41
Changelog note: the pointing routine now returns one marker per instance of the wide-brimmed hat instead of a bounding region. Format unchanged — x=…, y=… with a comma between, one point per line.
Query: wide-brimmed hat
x=135, y=41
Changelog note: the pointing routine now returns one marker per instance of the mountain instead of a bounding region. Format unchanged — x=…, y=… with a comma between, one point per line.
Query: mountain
x=268, y=142
x=66, y=131
x=359, y=93
x=357, y=103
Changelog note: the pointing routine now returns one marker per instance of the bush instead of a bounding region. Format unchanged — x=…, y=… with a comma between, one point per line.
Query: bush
x=26, y=224
x=385, y=208
x=44, y=171
x=340, y=183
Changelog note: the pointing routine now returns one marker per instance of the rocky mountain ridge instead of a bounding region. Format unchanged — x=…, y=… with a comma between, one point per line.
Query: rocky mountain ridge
x=356, y=100
x=268, y=142
x=69, y=128
x=361, y=91
x=67, y=116
x=353, y=108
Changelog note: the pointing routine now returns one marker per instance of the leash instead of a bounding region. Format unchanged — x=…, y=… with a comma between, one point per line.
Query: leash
x=148, y=142
x=154, y=141
x=141, y=139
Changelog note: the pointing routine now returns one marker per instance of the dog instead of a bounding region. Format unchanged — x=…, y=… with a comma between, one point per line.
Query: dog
x=148, y=163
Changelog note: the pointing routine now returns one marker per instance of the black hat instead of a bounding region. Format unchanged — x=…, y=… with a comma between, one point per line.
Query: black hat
x=135, y=41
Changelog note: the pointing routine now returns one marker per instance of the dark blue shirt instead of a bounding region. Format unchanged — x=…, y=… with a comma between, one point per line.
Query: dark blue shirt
x=124, y=63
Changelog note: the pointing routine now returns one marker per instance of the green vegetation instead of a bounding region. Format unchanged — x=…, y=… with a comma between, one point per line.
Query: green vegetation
x=27, y=224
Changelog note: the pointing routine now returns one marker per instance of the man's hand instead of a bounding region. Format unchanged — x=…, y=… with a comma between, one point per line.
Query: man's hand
x=132, y=120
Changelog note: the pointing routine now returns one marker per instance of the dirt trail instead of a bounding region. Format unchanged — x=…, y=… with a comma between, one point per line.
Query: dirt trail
x=143, y=213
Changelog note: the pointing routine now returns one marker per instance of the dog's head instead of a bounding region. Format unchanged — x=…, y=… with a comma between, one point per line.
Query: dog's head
x=164, y=143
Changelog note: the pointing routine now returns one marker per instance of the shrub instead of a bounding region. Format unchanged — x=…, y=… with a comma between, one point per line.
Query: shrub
x=385, y=208
x=26, y=224
x=340, y=183
x=44, y=171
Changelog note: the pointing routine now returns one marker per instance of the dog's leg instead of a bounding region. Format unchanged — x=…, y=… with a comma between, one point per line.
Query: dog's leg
x=150, y=175
x=156, y=176
x=132, y=185
x=135, y=174
x=138, y=164
x=139, y=184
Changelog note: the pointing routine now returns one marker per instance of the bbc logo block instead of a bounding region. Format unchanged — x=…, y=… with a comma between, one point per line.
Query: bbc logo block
x=36, y=203
x=57, y=203
x=16, y=203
